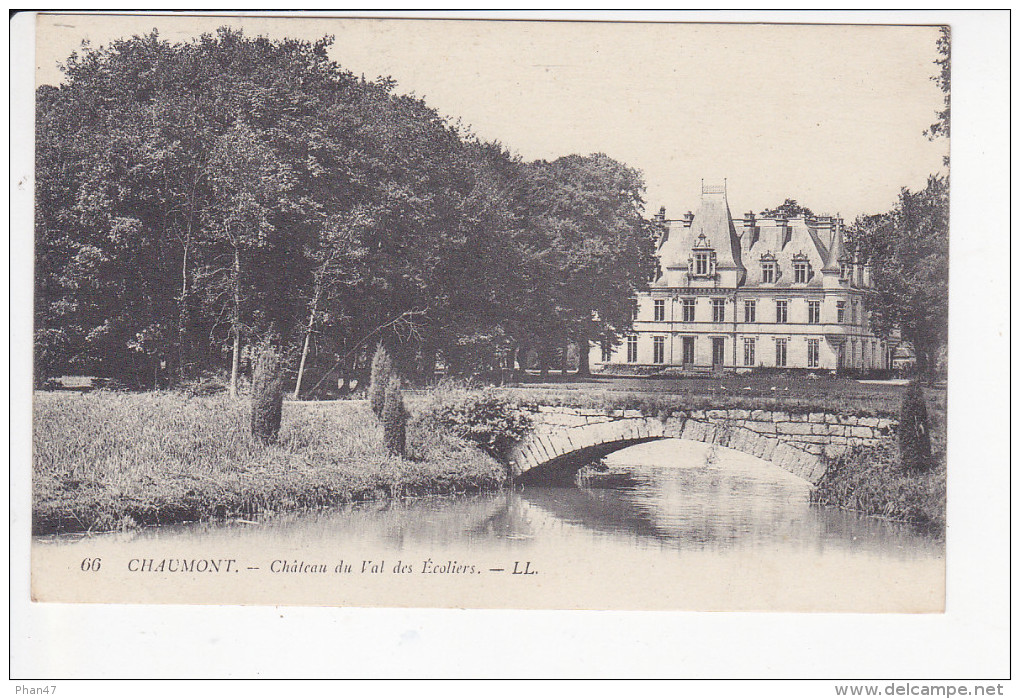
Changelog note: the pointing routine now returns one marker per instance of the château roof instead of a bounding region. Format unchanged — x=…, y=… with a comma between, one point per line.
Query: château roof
x=714, y=221
x=744, y=243
x=835, y=252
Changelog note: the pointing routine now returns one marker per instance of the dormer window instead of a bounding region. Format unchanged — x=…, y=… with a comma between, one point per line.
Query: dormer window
x=801, y=269
x=845, y=270
x=702, y=263
x=769, y=268
x=800, y=272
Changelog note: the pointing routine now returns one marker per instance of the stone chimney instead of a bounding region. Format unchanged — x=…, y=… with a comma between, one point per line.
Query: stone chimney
x=688, y=219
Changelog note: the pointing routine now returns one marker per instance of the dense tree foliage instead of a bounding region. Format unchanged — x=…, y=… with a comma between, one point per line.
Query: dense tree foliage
x=908, y=249
x=193, y=198
x=790, y=209
x=943, y=79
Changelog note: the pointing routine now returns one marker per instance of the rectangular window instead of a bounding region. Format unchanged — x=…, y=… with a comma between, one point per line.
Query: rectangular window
x=780, y=351
x=812, y=353
x=607, y=351
x=749, y=312
x=632, y=348
x=814, y=311
x=781, y=311
x=841, y=311
x=688, y=307
x=718, y=352
x=768, y=272
x=748, y=351
x=658, y=350
x=701, y=264
x=660, y=309
x=688, y=351
x=800, y=272
x=718, y=310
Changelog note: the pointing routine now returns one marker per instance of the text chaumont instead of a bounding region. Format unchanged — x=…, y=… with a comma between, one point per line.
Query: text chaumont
x=182, y=565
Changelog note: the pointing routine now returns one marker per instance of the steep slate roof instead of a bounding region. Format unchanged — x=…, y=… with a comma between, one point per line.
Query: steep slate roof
x=784, y=242
x=714, y=221
x=835, y=252
x=741, y=244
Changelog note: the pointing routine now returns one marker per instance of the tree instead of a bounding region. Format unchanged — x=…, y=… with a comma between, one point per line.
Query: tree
x=382, y=369
x=267, y=393
x=940, y=128
x=192, y=195
x=913, y=433
x=908, y=250
x=789, y=208
x=594, y=252
x=241, y=217
x=394, y=418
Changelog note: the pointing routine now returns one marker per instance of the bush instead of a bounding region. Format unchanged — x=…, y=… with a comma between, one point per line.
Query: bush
x=872, y=480
x=914, y=432
x=267, y=394
x=382, y=367
x=207, y=383
x=394, y=418
x=487, y=418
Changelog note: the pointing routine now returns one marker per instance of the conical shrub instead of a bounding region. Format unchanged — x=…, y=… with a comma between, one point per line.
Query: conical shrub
x=267, y=394
x=382, y=368
x=913, y=433
x=394, y=418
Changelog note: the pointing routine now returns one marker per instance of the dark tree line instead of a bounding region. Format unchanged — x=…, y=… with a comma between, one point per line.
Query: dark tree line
x=195, y=198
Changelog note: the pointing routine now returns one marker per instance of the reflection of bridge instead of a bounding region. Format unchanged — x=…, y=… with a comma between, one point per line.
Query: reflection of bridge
x=567, y=438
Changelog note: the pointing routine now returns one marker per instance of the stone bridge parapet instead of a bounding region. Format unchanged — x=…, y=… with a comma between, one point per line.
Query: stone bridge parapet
x=801, y=443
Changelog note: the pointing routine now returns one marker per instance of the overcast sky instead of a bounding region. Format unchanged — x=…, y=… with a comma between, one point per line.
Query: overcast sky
x=832, y=116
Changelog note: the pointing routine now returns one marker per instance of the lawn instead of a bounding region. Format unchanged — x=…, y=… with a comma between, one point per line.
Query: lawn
x=105, y=460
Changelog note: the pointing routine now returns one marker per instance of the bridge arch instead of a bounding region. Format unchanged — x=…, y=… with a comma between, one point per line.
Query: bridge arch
x=567, y=438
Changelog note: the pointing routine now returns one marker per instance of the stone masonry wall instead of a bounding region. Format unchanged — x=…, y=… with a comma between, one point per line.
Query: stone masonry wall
x=796, y=442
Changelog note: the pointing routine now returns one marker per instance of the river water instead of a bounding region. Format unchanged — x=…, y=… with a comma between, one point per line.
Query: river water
x=668, y=524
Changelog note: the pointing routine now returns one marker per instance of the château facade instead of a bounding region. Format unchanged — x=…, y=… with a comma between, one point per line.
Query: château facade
x=746, y=293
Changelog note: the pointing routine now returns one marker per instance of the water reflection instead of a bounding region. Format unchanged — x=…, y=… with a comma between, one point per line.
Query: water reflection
x=667, y=495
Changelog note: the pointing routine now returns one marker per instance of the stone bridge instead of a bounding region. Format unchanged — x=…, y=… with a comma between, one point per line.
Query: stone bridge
x=564, y=439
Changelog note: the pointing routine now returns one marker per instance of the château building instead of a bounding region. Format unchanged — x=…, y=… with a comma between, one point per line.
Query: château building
x=735, y=294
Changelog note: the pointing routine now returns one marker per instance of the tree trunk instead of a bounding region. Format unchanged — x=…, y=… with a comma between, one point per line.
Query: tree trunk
x=182, y=321
x=543, y=361
x=583, y=365
x=428, y=363
x=564, y=368
x=236, y=324
x=522, y=358
x=308, y=339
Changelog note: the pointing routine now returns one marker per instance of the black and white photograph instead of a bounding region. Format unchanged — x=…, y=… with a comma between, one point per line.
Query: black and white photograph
x=449, y=313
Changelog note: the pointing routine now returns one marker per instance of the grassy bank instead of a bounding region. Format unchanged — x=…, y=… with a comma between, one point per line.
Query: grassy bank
x=872, y=480
x=106, y=460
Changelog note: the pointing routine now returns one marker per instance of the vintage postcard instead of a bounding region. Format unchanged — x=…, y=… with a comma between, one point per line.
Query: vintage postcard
x=366, y=312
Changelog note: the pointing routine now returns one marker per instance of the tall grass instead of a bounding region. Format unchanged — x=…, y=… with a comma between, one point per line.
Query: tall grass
x=873, y=481
x=876, y=481
x=103, y=460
